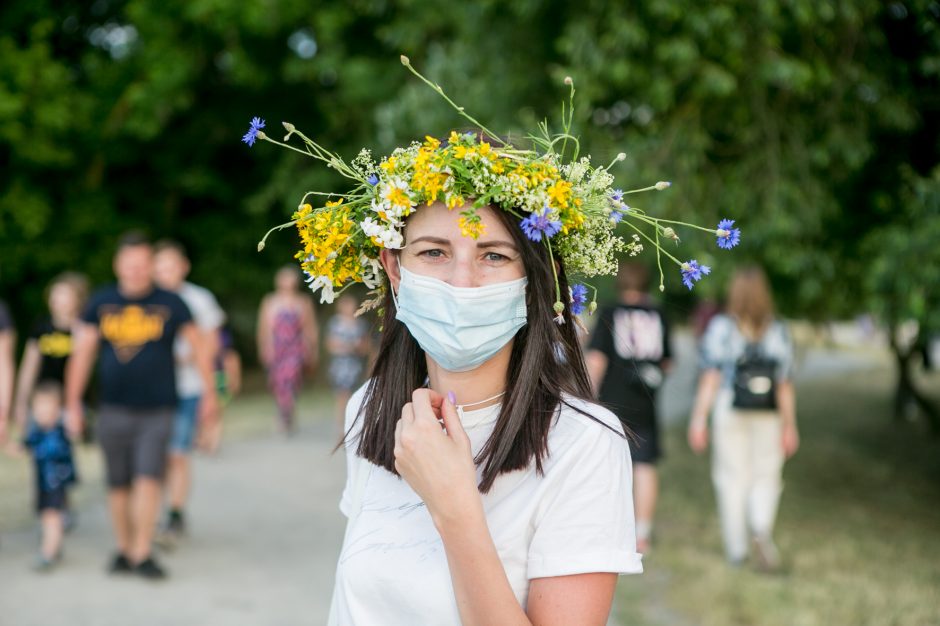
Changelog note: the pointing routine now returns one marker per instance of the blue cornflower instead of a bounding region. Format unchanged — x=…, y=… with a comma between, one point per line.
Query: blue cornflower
x=728, y=237
x=252, y=135
x=617, y=195
x=373, y=180
x=692, y=272
x=538, y=224
x=578, y=299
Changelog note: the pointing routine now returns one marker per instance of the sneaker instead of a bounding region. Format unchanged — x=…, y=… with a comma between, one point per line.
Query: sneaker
x=150, y=569
x=120, y=564
x=43, y=565
x=766, y=555
x=175, y=523
x=172, y=532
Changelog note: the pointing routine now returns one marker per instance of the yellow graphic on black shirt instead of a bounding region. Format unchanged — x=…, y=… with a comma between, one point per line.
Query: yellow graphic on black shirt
x=130, y=328
x=55, y=345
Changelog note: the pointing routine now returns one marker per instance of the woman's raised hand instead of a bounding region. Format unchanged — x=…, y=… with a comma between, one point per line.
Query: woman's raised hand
x=432, y=453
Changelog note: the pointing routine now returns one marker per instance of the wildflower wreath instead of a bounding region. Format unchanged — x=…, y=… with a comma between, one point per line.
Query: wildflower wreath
x=559, y=197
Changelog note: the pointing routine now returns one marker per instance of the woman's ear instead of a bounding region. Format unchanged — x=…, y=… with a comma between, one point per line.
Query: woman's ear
x=389, y=260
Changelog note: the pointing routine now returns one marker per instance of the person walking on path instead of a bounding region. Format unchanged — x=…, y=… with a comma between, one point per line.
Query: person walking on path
x=135, y=325
x=347, y=341
x=7, y=369
x=171, y=267
x=746, y=385
x=628, y=356
x=287, y=341
x=51, y=450
x=49, y=344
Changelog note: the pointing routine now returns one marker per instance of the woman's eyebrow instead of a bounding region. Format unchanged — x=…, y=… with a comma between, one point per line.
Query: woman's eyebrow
x=438, y=240
x=498, y=243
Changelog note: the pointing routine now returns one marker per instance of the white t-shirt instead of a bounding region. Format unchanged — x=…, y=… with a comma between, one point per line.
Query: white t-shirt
x=208, y=316
x=576, y=518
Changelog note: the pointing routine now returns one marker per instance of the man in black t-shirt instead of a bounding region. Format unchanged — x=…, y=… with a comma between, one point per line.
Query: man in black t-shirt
x=135, y=325
x=627, y=359
x=7, y=340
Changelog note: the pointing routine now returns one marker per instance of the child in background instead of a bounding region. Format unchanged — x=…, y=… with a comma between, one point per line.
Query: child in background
x=55, y=469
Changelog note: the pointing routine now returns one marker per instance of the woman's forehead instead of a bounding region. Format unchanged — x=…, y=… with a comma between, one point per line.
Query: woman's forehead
x=439, y=222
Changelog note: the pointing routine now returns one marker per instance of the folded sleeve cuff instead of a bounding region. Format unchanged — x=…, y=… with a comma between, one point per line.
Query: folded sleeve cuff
x=617, y=562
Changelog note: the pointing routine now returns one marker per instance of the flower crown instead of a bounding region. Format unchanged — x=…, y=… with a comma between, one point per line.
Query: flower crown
x=559, y=198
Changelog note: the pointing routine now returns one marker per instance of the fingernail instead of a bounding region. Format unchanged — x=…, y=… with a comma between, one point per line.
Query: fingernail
x=452, y=397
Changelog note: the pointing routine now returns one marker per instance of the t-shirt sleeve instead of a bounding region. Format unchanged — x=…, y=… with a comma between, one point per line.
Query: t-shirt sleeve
x=783, y=351
x=208, y=315
x=713, y=351
x=180, y=311
x=602, y=338
x=586, y=523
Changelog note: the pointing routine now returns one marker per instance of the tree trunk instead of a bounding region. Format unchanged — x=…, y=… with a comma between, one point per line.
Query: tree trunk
x=906, y=393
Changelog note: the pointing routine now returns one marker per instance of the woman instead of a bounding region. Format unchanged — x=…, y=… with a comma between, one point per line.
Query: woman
x=287, y=342
x=516, y=502
x=483, y=486
x=50, y=343
x=749, y=444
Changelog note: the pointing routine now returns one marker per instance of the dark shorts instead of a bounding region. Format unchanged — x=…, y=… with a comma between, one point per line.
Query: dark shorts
x=56, y=499
x=134, y=442
x=637, y=413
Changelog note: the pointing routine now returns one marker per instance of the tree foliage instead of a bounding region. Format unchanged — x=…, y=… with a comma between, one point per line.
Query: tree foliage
x=796, y=118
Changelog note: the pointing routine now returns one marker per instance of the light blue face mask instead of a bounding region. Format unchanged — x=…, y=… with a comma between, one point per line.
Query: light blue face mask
x=460, y=327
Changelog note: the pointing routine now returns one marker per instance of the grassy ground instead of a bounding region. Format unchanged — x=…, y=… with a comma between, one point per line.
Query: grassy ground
x=859, y=526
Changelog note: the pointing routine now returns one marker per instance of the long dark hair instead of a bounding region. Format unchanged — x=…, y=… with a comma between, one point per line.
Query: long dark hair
x=546, y=362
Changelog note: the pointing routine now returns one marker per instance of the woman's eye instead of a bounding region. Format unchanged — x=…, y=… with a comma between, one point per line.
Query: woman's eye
x=433, y=252
x=495, y=256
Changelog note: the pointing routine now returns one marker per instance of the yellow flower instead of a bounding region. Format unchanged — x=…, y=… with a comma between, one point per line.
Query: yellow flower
x=332, y=203
x=431, y=142
x=471, y=226
x=389, y=164
x=398, y=196
x=559, y=193
x=464, y=152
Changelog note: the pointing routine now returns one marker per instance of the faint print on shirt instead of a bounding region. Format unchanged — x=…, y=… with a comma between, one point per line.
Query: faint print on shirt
x=638, y=335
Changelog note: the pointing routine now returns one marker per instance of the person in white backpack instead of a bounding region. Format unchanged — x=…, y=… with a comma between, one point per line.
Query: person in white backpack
x=746, y=385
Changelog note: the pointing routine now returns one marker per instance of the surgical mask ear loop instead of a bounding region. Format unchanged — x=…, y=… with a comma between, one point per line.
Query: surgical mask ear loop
x=391, y=287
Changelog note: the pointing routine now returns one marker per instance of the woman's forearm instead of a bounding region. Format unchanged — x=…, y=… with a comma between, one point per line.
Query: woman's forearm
x=708, y=385
x=482, y=590
x=786, y=402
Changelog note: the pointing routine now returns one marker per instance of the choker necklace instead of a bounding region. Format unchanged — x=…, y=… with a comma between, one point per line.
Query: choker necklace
x=464, y=406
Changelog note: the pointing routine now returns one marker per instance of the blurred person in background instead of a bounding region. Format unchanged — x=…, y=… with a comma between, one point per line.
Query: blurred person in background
x=627, y=358
x=171, y=267
x=135, y=325
x=49, y=445
x=228, y=384
x=48, y=348
x=49, y=344
x=7, y=369
x=348, y=343
x=746, y=385
x=288, y=341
